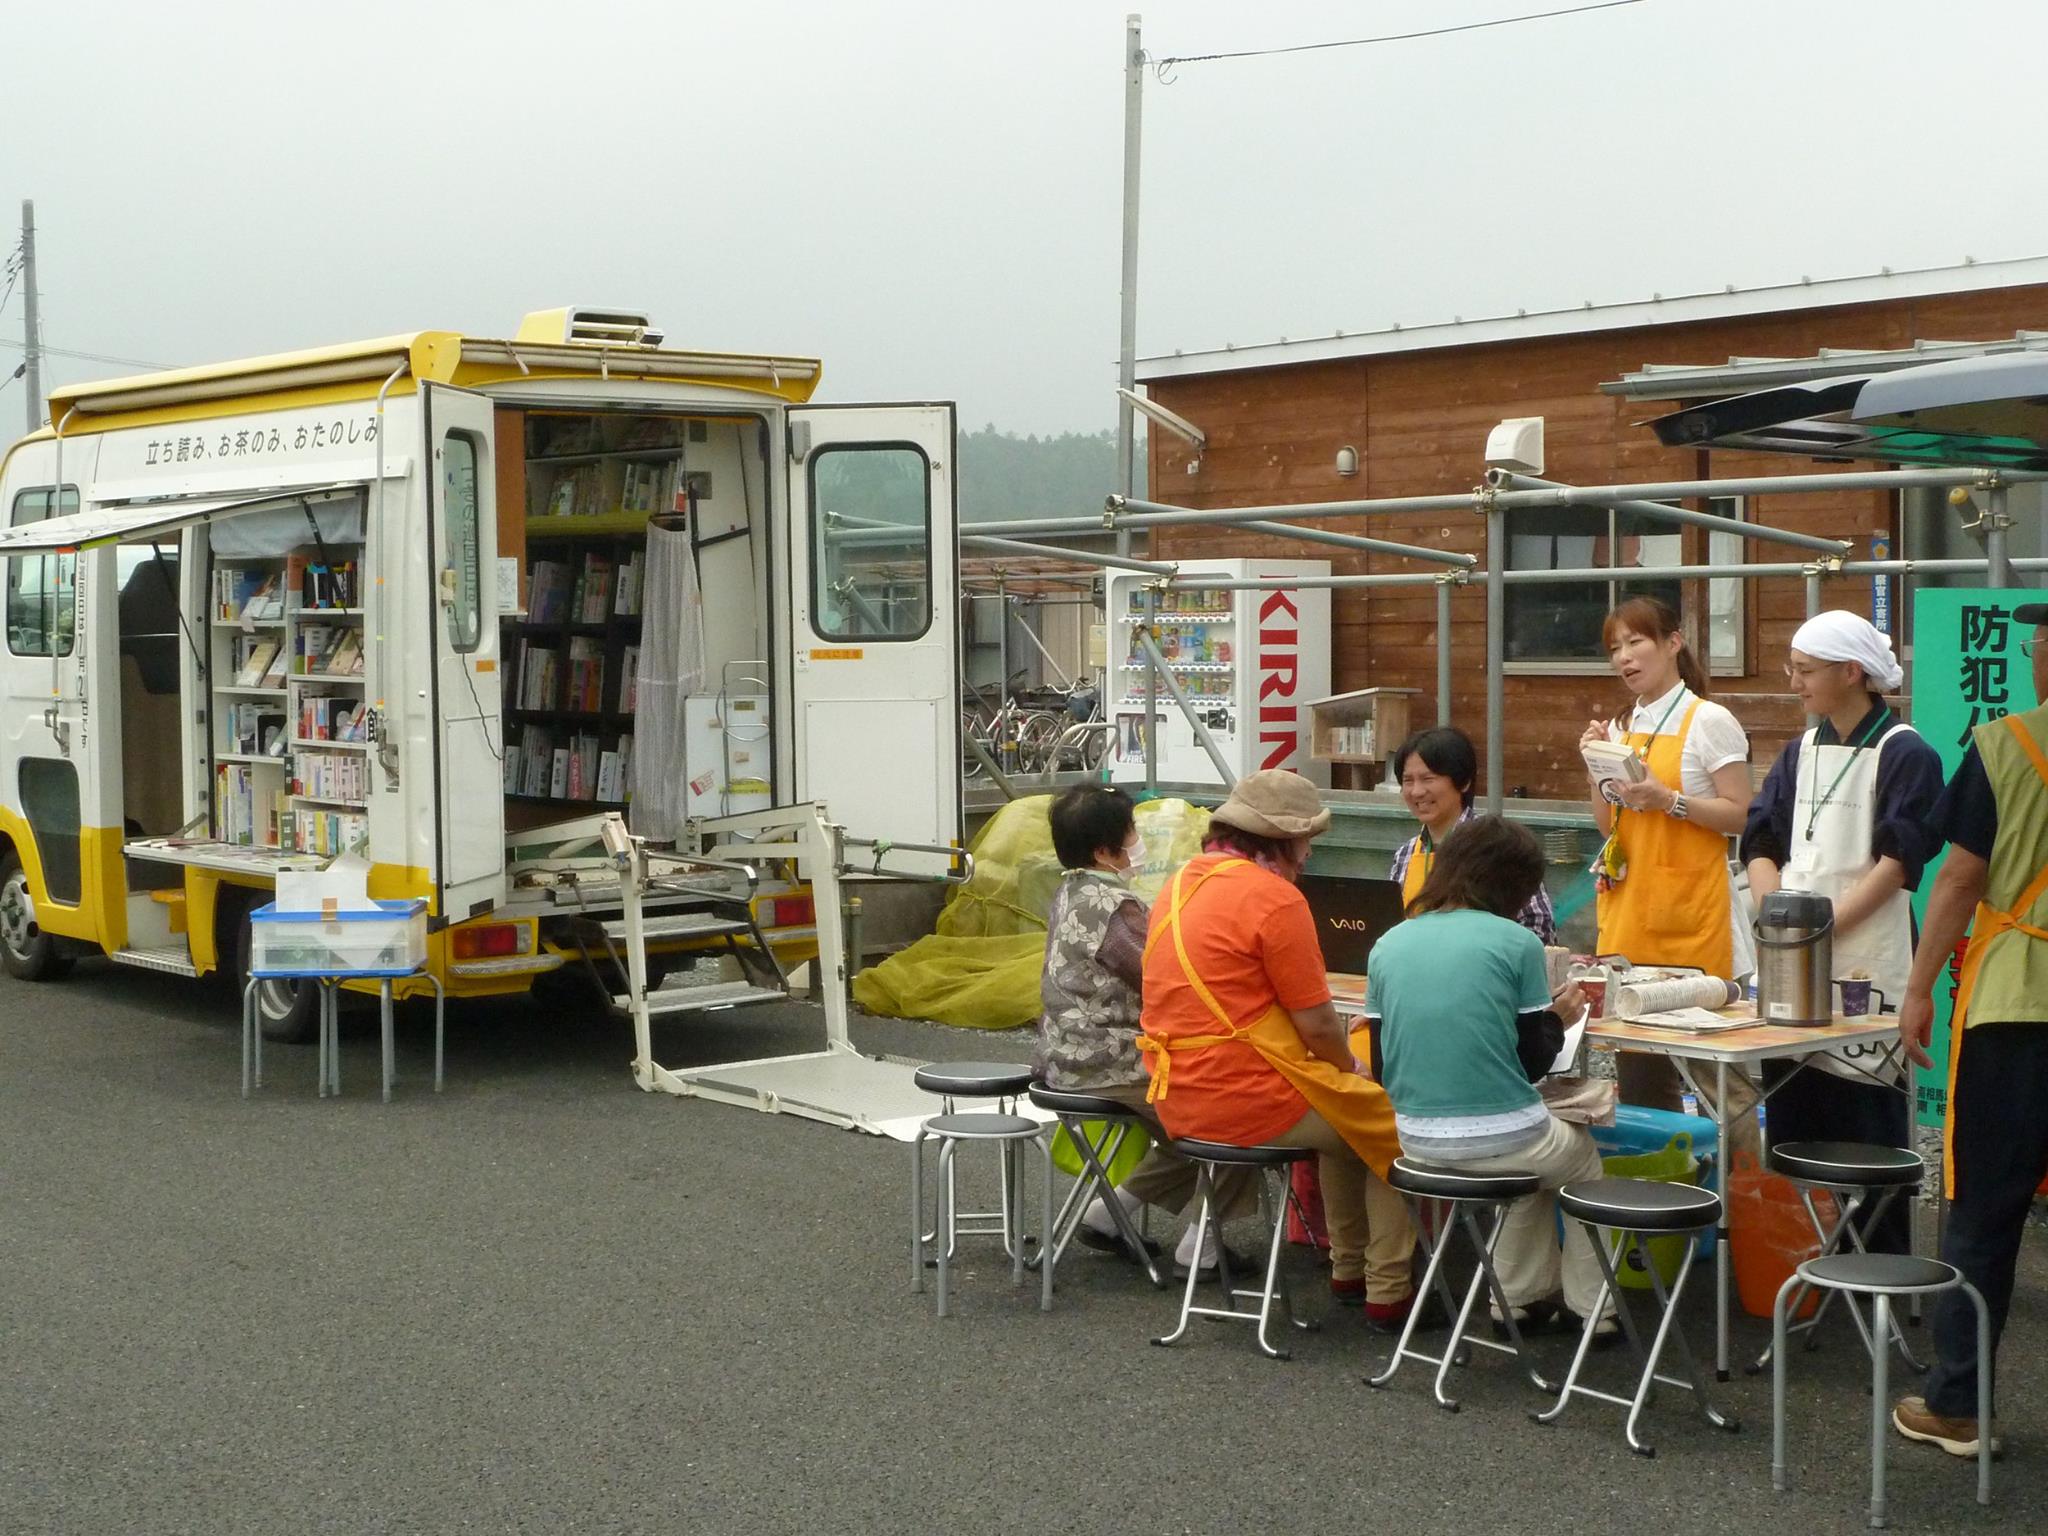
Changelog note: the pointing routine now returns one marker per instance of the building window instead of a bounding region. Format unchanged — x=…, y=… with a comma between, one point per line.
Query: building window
x=871, y=542
x=41, y=589
x=1557, y=624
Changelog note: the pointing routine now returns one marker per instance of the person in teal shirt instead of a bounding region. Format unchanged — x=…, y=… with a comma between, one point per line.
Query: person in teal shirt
x=1467, y=1026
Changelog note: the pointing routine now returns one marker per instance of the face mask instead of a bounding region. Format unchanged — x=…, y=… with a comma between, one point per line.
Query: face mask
x=1134, y=851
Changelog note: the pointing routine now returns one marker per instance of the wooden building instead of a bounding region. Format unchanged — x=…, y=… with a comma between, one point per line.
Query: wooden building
x=1415, y=405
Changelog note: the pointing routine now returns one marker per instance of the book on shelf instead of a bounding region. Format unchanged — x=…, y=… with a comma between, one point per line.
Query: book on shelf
x=535, y=756
x=558, y=774
x=643, y=487
x=593, y=590
x=245, y=592
x=330, y=584
x=547, y=591
x=539, y=675
x=254, y=728
x=323, y=717
x=329, y=650
x=585, y=693
x=331, y=775
x=247, y=812
x=308, y=829
x=629, y=680
x=253, y=657
x=626, y=590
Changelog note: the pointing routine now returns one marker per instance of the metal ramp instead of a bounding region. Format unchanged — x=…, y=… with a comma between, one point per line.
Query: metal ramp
x=837, y=1085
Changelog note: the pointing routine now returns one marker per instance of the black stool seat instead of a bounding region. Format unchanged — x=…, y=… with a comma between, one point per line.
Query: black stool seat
x=1873, y=1272
x=1846, y=1162
x=1063, y=1101
x=1243, y=1157
x=1413, y=1178
x=973, y=1079
x=980, y=1125
x=1640, y=1205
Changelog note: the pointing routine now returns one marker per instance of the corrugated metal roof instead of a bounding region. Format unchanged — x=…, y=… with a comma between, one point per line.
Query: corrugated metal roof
x=1589, y=318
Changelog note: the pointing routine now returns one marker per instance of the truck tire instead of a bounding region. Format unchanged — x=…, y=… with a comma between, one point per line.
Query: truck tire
x=26, y=952
x=286, y=1011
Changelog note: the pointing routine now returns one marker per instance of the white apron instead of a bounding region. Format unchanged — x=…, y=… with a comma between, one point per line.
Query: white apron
x=1833, y=859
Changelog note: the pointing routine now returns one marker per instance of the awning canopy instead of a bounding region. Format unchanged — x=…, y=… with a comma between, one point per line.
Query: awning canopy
x=1990, y=411
x=147, y=522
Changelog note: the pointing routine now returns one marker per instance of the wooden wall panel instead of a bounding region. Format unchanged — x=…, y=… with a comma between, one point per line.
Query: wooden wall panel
x=1419, y=421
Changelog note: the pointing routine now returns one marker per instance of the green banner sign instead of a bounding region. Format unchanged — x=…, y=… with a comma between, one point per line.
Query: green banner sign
x=1967, y=669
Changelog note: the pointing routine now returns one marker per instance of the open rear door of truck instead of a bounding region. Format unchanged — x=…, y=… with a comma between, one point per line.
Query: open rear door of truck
x=872, y=643
x=469, y=726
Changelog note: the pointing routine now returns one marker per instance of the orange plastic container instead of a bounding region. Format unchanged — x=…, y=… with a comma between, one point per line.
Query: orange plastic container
x=1770, y=1234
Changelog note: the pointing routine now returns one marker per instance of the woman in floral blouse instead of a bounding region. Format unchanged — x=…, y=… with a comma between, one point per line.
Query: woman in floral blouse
x=1094, y=961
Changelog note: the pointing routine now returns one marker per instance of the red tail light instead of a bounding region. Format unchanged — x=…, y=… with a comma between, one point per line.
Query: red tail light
x=483, y=941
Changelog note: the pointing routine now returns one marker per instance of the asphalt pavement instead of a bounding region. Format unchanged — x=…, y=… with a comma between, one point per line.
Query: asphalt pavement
x=545, y=1301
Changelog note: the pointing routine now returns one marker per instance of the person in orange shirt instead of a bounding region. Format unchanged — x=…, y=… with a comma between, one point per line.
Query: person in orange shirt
x=1245, y=1046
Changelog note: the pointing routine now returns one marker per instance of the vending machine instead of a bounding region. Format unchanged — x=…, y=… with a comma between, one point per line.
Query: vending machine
x=1248, y=662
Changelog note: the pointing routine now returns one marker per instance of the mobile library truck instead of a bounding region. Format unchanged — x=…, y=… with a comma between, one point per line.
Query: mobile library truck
x=429, y=598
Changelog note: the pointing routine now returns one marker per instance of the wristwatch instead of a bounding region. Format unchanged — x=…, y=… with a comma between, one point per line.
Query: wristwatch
x=1677, y=809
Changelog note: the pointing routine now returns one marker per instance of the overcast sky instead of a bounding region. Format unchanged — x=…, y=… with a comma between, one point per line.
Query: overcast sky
x=927, y=196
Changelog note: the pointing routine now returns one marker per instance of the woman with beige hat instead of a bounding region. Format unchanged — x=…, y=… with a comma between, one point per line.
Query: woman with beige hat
x=1243, y=1042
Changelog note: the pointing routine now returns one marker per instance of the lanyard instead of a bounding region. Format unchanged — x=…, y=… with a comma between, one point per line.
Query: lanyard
x=1657, y=730
x=1814, y=809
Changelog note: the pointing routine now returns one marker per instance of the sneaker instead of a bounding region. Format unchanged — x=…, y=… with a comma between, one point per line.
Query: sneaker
x=1530, y=1317
x=1392, y=1316
x=1244, y=1269
x=1348, y=1293
x=1112, y=1242
x=1912, y=1418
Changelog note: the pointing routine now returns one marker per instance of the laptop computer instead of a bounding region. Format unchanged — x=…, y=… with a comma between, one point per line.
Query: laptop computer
x=1350, y=917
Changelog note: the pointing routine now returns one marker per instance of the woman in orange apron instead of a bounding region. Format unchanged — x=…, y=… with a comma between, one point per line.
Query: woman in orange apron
x=1438, y=771
x=1665, y=895
x=1245, y=1046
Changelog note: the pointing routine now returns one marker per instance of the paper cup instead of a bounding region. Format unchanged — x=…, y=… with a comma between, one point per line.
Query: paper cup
x=1595, y=989
x=1855, y=998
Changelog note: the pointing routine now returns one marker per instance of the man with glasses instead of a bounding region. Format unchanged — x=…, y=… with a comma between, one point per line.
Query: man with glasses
x=1844, y=814
x=1994, y=815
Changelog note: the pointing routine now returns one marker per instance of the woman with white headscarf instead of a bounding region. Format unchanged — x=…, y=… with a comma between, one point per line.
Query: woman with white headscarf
x=1844, y=814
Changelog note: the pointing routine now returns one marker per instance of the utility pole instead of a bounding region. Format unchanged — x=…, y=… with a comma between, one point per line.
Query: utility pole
x=32, y=342
x=1127, y=356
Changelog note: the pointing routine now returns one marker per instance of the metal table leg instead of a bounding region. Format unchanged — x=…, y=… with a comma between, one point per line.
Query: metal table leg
x=440, y=1012
x=248, y=1031
x=384, y=1022
x=1725, y=1154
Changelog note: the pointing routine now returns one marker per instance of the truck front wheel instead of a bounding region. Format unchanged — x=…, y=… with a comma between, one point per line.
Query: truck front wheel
x=26, y=952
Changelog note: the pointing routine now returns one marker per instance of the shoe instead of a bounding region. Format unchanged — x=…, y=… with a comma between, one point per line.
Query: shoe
x=1392, y=1316
x=1912, y=1418
x=1111, y=1242
x=1606, y=1332
x=1242, y=1267
x=1348, y=1293
x=1530, y=1317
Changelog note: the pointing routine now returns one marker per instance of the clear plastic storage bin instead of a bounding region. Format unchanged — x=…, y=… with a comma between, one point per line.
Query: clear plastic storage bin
x=389, y=940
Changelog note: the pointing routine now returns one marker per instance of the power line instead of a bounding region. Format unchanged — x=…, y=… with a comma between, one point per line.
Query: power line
x=1391, y=37
x=89, y=357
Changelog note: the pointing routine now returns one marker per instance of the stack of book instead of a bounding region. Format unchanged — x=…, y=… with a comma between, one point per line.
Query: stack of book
x=585, y=694
x=626, y=596
x=342, y=776
x=330, y=650
x=259, y=663
x=247, y=811
x=323, y=717
x=247, y=593
x=539, y=675
x=255, y=728
x=629, y=681
x=327, y=832
x=644, y=488
x=593, y=590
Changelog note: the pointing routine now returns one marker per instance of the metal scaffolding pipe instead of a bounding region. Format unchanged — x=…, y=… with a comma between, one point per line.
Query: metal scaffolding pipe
x=1496, y=656
x=1514, y=486
x=1151, y=726
x=1655, y=572
x=1075, y=556
x=1179, y=696
x=1998, y=565
x=1129, y=509
x=1361, y=542
x=1770, y=485
x=1443, y=652
x=1289, y=583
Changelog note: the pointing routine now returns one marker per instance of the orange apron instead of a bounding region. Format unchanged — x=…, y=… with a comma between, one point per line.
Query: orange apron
x=1357, y=1108
x=1988, y=923
x=1671, y=907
